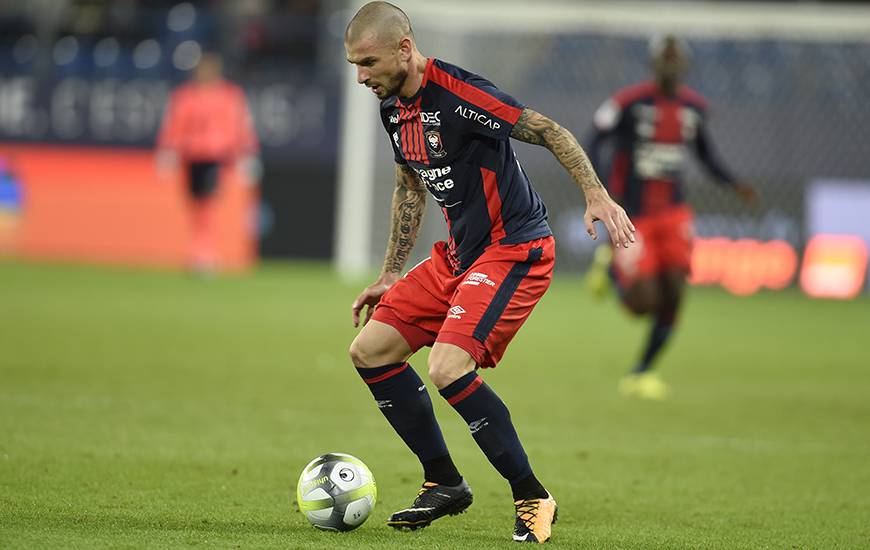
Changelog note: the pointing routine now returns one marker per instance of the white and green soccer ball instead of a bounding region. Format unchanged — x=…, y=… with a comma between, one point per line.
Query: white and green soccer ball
x=336, y=492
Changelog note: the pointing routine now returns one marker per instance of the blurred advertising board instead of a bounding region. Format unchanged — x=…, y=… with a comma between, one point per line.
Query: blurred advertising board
x=113, y=121
x=838, y=238
x=743, y=266
x=109, y=205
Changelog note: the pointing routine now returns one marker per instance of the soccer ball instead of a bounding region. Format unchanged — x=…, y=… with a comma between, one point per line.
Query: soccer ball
x=336, y=492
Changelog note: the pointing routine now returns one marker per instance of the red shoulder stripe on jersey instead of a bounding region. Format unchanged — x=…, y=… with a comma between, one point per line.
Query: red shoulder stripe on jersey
x=493, y=205
x=633, y=93
x=427, y=72
x=475, y=95
x=689, y=95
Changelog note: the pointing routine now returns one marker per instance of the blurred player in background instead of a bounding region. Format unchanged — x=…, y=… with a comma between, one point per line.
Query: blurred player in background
x=653, y=124
x=450, y=131
x=207, y=126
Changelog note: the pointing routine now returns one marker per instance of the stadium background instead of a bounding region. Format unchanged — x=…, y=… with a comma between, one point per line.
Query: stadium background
x=787, y=91
x=142, y=407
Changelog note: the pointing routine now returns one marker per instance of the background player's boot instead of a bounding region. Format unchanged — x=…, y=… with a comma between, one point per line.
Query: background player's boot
x=535, y=518
x=432, y=502
x=597, y=279
x=646, y=385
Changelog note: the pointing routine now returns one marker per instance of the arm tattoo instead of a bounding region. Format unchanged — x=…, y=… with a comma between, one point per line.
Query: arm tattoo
x=409, y=203
x=533, y=127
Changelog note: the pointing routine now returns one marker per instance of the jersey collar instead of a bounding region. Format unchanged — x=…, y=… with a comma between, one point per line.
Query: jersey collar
x=418, y=93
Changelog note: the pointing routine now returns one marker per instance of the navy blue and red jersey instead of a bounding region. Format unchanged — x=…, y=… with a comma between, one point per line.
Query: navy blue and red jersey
x=455, y=134
x=653, y=133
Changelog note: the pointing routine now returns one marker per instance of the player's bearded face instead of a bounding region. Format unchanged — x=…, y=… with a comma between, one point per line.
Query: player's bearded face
x=382, y=69
x=388, y=75
x=393, y=83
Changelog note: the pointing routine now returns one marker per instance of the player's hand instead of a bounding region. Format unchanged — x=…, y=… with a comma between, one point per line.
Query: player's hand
x=747, y=193
x=370, y=297
x=599, y=206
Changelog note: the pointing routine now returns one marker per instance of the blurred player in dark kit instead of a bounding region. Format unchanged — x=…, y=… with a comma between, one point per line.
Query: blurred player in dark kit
x=653, y=124
x=450, y=132
x=207, y=126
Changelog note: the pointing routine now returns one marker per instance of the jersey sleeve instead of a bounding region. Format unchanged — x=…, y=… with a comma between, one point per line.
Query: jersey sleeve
x=607, y=116
x=709, y=157
x=489, y=111
x=397, y=151
x=394, y=139
x=479, y=107
x=171, y=127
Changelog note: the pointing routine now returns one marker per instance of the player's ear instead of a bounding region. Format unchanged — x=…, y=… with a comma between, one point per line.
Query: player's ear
x=406, y=48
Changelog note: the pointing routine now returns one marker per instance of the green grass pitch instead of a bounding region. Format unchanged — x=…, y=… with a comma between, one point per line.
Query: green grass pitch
x=153, y=410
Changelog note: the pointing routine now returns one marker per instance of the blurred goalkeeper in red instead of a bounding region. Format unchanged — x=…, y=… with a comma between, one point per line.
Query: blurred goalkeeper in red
x=207, y=126
x=652, y=125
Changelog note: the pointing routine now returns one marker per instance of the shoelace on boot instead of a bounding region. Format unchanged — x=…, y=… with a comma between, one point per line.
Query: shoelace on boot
x=527, y=512
x=426, y=495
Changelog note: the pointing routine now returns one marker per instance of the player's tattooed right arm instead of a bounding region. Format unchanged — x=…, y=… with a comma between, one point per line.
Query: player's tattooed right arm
x=535, y=128
x=409, y=203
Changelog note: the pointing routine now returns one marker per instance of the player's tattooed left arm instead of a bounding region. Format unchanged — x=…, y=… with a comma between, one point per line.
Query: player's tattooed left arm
x=535, y=128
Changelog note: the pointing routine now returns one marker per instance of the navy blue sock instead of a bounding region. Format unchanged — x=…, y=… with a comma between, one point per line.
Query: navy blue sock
x=490, y=424
x=663, y=325
x=402, y=398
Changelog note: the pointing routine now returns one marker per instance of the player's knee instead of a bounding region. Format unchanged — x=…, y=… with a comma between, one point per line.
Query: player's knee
x=362, y=353
x=643, y=298
x=447, y=366
x=641, y=305
x=369, y=350
x=440, y=374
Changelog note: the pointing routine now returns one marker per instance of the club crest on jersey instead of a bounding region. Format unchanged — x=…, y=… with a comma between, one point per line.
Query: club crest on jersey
x=434, y=143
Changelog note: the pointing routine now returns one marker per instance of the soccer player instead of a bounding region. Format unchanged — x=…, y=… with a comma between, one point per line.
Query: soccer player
x=450, y=131
x=207, y=125
x=653, y=124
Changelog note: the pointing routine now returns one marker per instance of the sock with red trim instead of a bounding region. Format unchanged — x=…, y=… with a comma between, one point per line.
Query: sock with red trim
x=490, y=424
x=402, y=398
